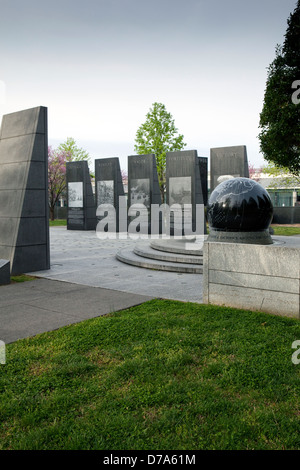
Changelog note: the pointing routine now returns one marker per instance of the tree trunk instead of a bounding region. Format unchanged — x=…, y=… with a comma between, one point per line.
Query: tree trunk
x=51, y=213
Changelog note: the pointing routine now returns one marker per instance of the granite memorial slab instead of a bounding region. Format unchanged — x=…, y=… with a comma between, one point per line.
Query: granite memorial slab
x=4, y=272
x=24, y=211
x=203, y=167
x=143, y=189
x=183, y=187
x=227, y=161
x=81, y=202
x=109, y=187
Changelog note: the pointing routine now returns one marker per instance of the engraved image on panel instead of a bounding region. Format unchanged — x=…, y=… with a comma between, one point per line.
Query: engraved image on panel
x=140, y=191
x=180, y=190
x=105, y=192
x=75, y=194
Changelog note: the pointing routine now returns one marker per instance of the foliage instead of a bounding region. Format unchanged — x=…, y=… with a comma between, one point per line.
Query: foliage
x=22, y=278
x=286, y=231
x=57, y=222
x=76, y=153
x=280, y=116
x=57, y=159
x=56, y=176
x=158, y=135
x=163, y=375
x=281, y=177
x=254, y=173
x=124, y=176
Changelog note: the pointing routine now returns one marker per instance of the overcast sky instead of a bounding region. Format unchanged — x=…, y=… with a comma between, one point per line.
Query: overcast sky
x=98, y=65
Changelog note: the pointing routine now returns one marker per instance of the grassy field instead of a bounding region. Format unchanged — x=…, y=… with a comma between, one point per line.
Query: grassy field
x=57, y=222
x=286, y=230
x=163, y=375
x=21, y=278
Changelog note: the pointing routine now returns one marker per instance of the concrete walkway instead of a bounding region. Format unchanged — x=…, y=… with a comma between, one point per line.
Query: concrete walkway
x=29, y=308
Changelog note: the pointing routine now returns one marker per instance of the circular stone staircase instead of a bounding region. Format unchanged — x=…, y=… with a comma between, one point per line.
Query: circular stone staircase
x=176, y=255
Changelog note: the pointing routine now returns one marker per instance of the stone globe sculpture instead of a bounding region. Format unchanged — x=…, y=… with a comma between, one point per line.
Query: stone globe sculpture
x=240, y=211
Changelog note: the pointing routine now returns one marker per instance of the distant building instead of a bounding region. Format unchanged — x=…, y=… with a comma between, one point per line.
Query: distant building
x=281, y=196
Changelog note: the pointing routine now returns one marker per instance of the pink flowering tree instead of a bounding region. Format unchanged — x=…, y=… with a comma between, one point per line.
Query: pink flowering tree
x=124, y=176
x=56, y=176
x=255, y=173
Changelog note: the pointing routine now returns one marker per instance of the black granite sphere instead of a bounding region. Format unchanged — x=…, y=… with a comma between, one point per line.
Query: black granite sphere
x=239, y=205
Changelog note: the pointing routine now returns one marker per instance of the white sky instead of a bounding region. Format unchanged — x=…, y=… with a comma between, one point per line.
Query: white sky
x=98, y=65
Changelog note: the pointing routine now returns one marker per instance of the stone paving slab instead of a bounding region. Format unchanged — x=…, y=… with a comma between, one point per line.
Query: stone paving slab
x=34, y=307
x=82, y=258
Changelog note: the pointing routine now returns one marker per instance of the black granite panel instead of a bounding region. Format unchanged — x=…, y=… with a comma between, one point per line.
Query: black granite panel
x=29, y=259
x=4, y=272
x=81, y=202
x=24, y=212
x=108, y=184
x=183, y=184
x=203, y=167
x=228, y=161
x=143, y=186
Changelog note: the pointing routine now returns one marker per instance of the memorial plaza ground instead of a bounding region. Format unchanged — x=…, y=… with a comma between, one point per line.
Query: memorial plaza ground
x=86, y=280
x=153, y=373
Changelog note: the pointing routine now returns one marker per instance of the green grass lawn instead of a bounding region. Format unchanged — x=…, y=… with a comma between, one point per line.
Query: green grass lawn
x=22, y=278
x=286, y=230
x=163, y=375
x=57, y=222
x=278, y=229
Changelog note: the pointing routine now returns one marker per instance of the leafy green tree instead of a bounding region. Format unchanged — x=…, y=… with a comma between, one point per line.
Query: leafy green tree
x=281, y=177
x=158, y=135
x=76, y=153
x=280, y=116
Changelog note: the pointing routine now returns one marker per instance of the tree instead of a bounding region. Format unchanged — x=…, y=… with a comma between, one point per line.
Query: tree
x=56, y=176
x=158, y=135
x=254, y=173
x=76, y=153
x=280, y=116
x=57, y=159
x=281, y=177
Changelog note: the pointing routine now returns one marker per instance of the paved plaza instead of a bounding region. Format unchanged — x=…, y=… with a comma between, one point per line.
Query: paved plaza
x=82, y=258
x=85, y=280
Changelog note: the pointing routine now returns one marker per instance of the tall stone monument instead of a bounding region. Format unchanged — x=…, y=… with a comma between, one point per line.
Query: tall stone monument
x=228, y=161
x=80, y=197
x=109, y=186
x=24, y=211
x=203, y=167
x=143, y=188
x=183, y=187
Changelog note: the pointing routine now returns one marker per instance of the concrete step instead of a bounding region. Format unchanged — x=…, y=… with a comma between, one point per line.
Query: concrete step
x=128, y=256
x=180, y=246
x=146, y=251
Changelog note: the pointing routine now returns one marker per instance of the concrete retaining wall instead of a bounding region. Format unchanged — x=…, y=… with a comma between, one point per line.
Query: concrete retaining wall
x=252, y=277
